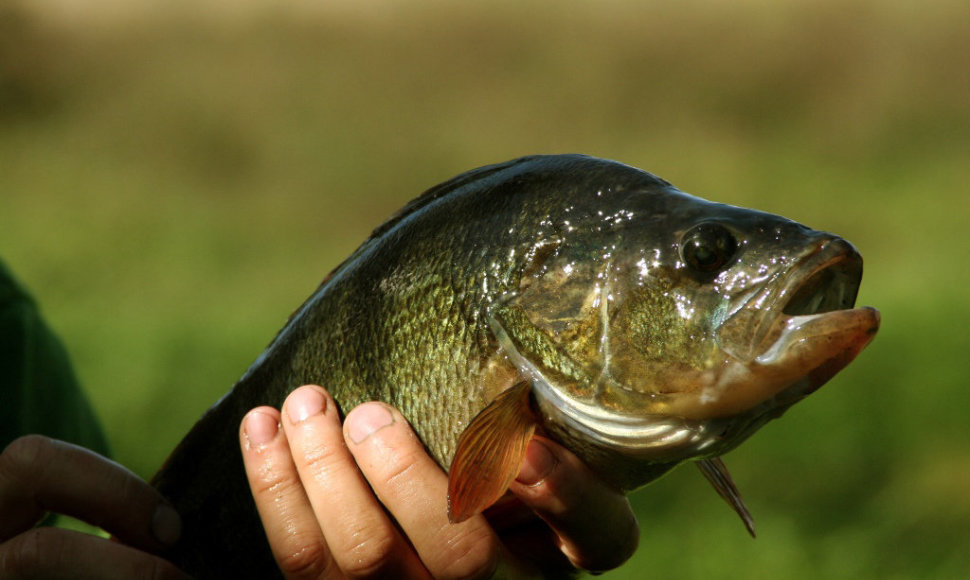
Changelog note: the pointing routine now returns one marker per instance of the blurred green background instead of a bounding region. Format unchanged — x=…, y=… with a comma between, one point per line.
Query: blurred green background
x=175, y=181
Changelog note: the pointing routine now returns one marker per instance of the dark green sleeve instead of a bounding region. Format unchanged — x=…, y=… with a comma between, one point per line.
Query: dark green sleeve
x=38, y=390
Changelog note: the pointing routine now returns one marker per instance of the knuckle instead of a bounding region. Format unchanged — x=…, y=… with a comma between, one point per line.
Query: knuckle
x=399, y=472
x=270, y=478
x=310, y=561
x=472, y=554
x=371, y=558
x=397, y=467
x=321, y=458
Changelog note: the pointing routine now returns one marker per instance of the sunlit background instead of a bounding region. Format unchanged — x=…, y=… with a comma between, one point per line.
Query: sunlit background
x=176, y=177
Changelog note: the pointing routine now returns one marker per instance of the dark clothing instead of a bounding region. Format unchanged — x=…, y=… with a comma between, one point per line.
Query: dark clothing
x=38, y=390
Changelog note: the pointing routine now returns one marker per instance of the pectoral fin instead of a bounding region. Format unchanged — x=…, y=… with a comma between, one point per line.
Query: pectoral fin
x=717, y=473
x=490, y=453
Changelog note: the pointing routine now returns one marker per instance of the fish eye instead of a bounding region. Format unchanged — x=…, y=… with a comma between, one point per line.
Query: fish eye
x=707, y=248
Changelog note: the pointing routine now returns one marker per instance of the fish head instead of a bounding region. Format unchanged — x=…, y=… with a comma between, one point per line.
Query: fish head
x=669, y=328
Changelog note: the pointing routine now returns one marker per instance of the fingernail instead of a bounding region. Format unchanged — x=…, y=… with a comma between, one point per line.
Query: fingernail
x=539, y=463
x=363, y=421
x=260, y=429
x=303, y=403
x=166, y=524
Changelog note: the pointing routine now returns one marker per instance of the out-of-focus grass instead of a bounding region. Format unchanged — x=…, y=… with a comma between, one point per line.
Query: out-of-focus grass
x=171, y=187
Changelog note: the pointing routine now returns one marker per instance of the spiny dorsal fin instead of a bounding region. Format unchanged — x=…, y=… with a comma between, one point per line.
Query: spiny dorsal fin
x=490, y=453
x=717, y=473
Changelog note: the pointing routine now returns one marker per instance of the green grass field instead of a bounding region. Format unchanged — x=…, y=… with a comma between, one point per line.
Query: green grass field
x=173, y=185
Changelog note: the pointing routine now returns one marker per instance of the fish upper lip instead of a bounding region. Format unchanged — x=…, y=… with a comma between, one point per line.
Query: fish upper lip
x=831, y=284
x=823, y=281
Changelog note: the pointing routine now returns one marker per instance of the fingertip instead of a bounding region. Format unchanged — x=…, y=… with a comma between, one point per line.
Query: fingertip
x=166, y=525
x=260, y=427
x=600, y=559
x=540, y=461
x=305, y=402
x=366, y=419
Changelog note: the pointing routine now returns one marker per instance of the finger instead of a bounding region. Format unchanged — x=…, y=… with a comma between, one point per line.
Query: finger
x=39, y=474
x=362, y=538
x=414, y=489
x=595, y=524
x=53, y=553
x=291, y=528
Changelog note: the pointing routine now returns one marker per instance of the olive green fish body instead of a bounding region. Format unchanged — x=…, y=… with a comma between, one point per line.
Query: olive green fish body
x=402, y=320
x=649, y=326
x=405, y=318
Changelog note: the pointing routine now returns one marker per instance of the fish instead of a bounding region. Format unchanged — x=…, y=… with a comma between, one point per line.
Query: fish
x=593, y=302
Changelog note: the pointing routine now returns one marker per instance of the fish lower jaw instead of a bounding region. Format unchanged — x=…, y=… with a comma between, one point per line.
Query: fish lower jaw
x=805, y=352
x=810, y=342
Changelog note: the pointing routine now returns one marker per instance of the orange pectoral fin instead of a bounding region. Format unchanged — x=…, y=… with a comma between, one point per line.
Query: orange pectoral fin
x=490, y=453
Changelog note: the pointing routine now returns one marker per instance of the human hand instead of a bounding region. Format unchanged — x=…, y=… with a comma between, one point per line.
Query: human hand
x=40, y=475
x=365, y=499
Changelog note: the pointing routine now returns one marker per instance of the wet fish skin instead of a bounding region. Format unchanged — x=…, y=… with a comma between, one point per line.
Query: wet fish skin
x=488, y=280
x=421, y=284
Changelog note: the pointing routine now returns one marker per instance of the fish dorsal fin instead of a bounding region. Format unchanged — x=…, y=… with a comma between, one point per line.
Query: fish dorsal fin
x=469, y=178
x=717, y=473
x=490, y=453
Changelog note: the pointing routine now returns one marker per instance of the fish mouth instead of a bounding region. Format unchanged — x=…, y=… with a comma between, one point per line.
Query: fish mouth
x=825, y=280
x=832, y=282
x=813, y=329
